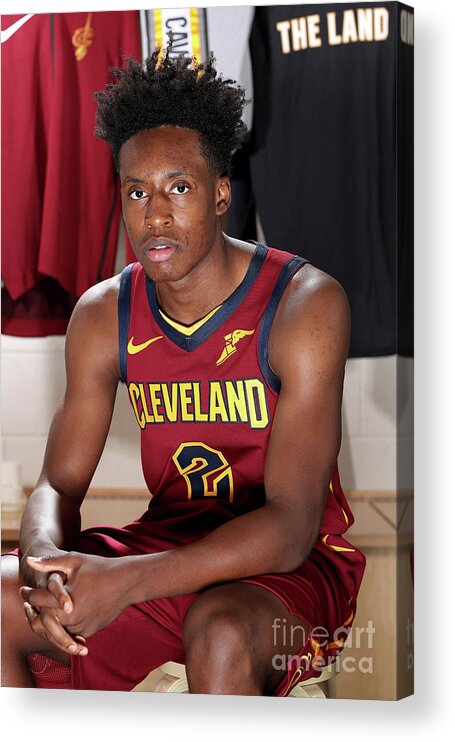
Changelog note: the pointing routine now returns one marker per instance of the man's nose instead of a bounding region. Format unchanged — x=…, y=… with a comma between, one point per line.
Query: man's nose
x=158, y=212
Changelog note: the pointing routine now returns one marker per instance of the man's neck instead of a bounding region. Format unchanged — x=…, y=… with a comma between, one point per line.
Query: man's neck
x=208, y=285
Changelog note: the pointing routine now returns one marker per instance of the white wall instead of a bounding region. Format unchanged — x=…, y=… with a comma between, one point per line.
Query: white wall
x=377, y=403
x=33, y=381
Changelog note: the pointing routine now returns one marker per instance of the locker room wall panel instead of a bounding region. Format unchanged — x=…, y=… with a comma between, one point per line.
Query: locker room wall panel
x=384, y=670
x=351, y=398
x=28, y=403
x=379, y=394
x=368, y=463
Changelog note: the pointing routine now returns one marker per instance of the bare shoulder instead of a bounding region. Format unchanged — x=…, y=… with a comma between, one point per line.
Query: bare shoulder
x=98, y=302
x=313, y=318
x=92, y=336
x=313, y=291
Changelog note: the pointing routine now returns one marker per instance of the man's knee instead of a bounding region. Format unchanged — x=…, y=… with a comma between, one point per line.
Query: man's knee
x=12, y=611
x=18, y=639
x=215, y=634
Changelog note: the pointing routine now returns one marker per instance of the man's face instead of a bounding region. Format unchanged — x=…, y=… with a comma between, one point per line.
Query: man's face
x=171, y=201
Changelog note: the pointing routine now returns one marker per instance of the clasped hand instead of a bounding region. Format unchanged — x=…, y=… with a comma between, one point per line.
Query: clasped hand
x=83, y=594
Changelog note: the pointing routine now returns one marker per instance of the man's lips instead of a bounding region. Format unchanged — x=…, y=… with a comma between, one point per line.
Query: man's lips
x=159, y=249
x=155, y=243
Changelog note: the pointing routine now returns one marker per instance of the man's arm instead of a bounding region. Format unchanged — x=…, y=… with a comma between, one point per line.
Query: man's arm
x=79, y=429
x=51, y=521
x=308, y=348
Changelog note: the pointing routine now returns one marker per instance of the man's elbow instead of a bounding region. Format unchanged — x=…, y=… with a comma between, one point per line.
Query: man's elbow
x=296, y=550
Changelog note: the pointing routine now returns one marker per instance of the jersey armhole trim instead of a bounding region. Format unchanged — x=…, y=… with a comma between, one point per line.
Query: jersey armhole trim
x=288, y=270
x=124, y=303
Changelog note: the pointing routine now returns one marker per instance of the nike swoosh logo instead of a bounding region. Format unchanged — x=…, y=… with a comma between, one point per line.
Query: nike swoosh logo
x=11, y=30
x=132, y=349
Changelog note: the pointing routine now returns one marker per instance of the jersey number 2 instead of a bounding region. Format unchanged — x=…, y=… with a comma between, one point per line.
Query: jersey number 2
x=205, y=470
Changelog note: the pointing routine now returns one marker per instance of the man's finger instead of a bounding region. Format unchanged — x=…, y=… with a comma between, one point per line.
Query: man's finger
x=38, y=597
x=34, y=620
x=56, y=587
x=57, y=635
x=63, y=564
x=47, y=626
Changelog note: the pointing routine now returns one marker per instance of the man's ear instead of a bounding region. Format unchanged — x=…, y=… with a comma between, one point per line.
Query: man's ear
x=223, y=195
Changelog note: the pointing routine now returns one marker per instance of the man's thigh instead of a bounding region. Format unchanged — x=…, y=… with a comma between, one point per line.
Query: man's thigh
x=142, y=637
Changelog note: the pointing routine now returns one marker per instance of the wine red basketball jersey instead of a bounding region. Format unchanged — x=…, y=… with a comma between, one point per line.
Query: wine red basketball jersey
x=205, y=402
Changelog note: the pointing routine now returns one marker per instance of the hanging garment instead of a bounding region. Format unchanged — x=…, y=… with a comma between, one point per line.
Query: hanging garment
x=325, y=163
x=64, y=225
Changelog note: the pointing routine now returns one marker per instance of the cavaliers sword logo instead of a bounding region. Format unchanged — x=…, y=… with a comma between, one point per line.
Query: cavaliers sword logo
x=83, y=38
x=231, y=341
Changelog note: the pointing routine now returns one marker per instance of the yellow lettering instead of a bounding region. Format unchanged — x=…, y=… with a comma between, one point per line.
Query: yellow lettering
x=134, y=393
x=148, y=416
x=170, y=406
x=156, y=402
x=283, y=28
x=217, y=405
x=199, y=416
x=258, y=417
x=236, y=401
x=185, y=401
x=334, y=38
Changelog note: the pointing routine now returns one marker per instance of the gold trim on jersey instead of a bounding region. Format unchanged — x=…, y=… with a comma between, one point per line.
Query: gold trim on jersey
x=293, y=681
x=204, y=462
x=339, y=643
x=342, y=509
x=333, y=547
x=189, y=330
x=316, y=656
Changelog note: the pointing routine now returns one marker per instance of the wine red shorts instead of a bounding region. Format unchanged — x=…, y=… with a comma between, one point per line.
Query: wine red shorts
x=322, y=592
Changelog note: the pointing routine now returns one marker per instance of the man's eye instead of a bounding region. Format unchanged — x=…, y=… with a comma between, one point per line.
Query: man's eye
x=137, y=195
x=180, y=189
